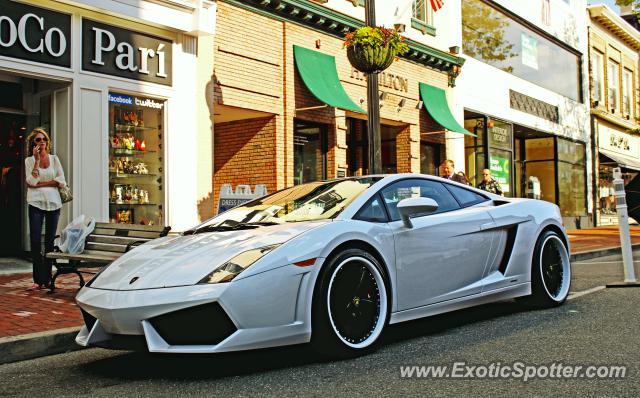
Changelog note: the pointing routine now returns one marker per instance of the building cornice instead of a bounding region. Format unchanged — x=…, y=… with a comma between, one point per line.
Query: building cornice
x=615, y=24
x=613, y=119
x=320, y=18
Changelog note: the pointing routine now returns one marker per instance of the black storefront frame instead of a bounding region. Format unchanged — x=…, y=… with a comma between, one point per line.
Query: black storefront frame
x=485, y=147
x=324, y=141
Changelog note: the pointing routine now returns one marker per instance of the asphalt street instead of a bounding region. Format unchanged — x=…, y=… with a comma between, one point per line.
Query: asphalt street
x=598, y=328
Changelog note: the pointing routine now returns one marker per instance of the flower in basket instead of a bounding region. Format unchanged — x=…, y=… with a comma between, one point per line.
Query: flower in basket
x=373, y=49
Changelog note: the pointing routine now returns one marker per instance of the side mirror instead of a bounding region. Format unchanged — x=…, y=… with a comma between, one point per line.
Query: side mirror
x=411, y=206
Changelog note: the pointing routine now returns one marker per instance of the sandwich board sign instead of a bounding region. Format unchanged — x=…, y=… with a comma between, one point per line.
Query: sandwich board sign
x=228, y=198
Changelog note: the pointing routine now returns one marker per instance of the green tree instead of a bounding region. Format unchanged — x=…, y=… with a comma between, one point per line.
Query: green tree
x=634, y=3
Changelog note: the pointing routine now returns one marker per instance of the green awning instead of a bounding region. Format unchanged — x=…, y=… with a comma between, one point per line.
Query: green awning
x=435, y=100
x=319, y=74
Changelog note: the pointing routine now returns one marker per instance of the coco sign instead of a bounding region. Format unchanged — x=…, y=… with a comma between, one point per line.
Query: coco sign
x=120, y=52
x=35, y=34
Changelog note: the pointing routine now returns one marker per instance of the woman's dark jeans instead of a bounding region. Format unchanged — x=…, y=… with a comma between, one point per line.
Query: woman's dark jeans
x=41, y=265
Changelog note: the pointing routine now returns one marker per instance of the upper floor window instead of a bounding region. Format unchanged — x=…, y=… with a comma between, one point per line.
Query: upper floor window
x=597, y=74
x=627, y=92
x=613, y=76
x=422, y=16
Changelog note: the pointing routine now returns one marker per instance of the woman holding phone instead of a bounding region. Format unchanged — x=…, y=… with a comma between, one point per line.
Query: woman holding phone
x=44, y=176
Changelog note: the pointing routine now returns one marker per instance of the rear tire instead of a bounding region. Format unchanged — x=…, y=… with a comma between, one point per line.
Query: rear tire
x=550, y=272
x=350, y=306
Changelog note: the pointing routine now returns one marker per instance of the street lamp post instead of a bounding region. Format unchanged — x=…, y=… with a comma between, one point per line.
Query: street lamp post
x=373, y=103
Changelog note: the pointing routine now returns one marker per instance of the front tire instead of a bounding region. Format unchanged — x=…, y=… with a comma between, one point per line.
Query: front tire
x=550, y=272
x=351, y=305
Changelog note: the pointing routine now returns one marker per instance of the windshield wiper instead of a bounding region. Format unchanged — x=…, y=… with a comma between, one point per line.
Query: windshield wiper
x=222, y=228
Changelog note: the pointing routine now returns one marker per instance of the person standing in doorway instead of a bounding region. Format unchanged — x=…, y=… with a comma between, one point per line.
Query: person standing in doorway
x=44, y=175
x=448, y=172
x=489, y=184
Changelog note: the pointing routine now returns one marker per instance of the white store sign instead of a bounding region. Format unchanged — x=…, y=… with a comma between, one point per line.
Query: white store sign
x=619, y=142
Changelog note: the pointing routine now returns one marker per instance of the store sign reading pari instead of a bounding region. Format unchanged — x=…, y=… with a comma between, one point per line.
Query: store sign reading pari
x=35, y=34
x=119, y=52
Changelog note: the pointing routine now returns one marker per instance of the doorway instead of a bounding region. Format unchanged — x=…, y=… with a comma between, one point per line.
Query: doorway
x=358, y=148
x=26, y=103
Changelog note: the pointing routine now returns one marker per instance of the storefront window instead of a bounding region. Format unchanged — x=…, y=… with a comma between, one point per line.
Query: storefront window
x=539, y=149
x=429, y=158
x=543, y=174
x=493, y=37
x=540, y=171
x=358, y=148
x=136, y=160
x=388, y=136
x=571, y=177
x=474, y=149
x=309, y=156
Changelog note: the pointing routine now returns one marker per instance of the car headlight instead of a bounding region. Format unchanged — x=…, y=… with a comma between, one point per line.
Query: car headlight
x=232, y=268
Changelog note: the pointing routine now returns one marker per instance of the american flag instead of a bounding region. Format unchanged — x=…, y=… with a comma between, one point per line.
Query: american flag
x=436, y=4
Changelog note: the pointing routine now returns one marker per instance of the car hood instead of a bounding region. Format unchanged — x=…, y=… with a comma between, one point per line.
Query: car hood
x=186, y=259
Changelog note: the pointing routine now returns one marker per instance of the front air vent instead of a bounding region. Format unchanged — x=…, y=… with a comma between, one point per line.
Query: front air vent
x=89, y=320
x=206, y=324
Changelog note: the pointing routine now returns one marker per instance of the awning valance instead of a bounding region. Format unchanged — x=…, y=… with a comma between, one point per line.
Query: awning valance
x=435, y=100
x=622, y=160
x=318, y=72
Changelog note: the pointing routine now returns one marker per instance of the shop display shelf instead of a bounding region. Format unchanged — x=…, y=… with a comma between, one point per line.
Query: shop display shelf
x=132, y=204
x=124, y=151
x=131, y=127
x=113, y=174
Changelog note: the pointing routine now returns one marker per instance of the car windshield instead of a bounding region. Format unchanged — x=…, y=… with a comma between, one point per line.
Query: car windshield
x=305, y=202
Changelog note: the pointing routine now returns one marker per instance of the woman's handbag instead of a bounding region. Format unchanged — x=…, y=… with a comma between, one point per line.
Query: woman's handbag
x=65, y=194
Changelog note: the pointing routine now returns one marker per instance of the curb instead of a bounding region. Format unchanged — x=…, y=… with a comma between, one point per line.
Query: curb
x=35, y=345
x=582, y=256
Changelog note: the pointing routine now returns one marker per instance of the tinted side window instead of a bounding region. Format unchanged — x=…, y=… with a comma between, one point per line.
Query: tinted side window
x=372, y=211
x=465, y=197
x=415, y=188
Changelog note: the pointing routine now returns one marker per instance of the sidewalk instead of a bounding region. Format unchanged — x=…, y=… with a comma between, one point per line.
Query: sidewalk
x=34, y=323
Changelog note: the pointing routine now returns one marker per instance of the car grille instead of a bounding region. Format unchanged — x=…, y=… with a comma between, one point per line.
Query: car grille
x=206, y=324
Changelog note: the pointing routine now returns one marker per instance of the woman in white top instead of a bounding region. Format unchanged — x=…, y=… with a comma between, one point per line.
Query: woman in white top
x=44, y=176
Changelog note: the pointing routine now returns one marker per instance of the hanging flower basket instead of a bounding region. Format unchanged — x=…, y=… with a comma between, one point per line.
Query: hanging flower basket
x=370, y=59
x=373, y=49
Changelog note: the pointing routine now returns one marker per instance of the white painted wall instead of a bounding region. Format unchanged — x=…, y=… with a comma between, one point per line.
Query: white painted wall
x=189, y=16
x=90, y=122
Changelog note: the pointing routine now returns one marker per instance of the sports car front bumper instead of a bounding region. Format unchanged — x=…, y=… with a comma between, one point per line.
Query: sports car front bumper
x=264, y=310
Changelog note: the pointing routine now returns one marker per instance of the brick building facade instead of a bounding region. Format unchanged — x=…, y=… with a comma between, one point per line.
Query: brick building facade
x=265, y=114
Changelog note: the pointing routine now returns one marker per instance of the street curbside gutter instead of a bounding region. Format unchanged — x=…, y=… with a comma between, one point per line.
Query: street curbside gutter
x=35, y=345
x=588, y=255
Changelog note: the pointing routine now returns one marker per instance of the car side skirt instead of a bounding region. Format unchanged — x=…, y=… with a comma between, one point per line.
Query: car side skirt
x=522, y=289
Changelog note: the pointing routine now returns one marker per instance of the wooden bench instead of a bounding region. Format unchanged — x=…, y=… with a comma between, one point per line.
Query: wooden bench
x=106, y=243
